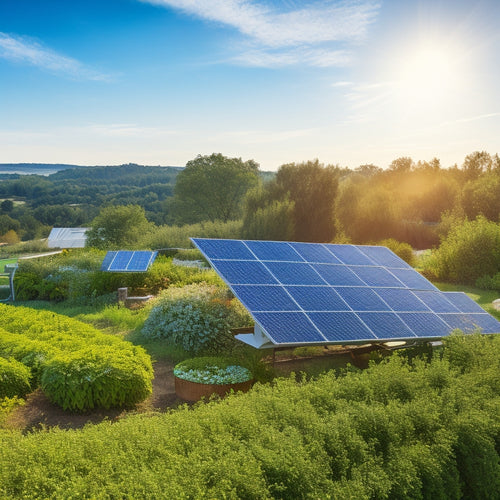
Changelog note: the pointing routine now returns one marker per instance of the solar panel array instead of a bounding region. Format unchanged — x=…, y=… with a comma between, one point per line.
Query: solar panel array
x=301, y=293
x=128, y=261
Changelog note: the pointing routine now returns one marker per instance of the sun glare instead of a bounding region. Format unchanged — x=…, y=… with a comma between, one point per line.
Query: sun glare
x=428, y=77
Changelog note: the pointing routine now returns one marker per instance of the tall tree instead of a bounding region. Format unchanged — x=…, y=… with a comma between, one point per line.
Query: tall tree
x=308, y=191
x=212, y=188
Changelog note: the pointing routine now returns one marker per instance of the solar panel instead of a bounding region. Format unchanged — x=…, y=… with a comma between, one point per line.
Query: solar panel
x=315, y=293
x=128, y=261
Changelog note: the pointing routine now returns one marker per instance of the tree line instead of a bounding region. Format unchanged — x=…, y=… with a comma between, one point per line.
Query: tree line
x=409, y=201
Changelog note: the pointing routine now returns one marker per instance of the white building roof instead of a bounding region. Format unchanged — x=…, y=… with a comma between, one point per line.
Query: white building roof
x=67, y=237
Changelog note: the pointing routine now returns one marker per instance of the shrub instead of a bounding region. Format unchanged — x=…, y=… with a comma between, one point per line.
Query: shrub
x=469, y=251
x=97, y=377
x=332, y=437
x=78, y=366
x=14, y=378
x=197, y=317
x=489, y=282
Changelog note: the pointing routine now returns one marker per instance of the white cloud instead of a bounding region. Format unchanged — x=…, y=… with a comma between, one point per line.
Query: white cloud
x=313, y=57
x=294, y=31
x=26, y=51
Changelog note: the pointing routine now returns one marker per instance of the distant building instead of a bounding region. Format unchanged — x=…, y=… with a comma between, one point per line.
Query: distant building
x=67, y=237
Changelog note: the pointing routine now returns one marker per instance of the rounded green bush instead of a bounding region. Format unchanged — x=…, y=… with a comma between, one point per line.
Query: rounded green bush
x=78, y=366
x=197, y=317
x=14, y=378
x=98, y=378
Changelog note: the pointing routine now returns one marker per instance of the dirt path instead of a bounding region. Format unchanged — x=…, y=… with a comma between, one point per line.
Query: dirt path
x=39, y=412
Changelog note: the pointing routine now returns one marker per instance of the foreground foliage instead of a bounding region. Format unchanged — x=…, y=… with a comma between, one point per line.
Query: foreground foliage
x=77, y=366
x=395, y=430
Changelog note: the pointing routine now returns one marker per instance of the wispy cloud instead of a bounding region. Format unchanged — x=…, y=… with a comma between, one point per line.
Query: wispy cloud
x=26, y=51
x=304, y=34
x=471, y=119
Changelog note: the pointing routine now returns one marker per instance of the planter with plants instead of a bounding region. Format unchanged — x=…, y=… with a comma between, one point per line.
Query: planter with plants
x=202, y=377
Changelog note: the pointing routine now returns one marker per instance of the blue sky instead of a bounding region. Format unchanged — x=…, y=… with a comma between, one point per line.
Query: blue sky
x=158, y=82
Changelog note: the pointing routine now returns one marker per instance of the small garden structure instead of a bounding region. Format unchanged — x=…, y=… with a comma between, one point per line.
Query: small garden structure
x=202, y=377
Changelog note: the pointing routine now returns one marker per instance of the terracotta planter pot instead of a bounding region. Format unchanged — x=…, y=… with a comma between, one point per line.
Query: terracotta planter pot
x=192, y=391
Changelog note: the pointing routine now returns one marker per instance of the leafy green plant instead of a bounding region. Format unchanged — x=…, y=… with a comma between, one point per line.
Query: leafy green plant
x=77, y=366
x=14, y=378
x=197, y=317
x=469, y=251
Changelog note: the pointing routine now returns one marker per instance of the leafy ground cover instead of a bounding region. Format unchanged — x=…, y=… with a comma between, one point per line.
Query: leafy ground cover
x=395, y=430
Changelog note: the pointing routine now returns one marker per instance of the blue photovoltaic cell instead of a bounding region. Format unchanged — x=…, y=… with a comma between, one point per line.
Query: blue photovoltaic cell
x=425, y=324
x=265, y=298
x=465, y=322
x=469, y=323
x=107, y=260
x=141, y=260
x=436, y=301
x=288, y=327
x=224, y=249
x=294, y=273
x=350, y=255
x=338, y=275
x=343, y=326
x=463, y=302
x=317, y=298
x=121, y=261
x=362, y=299
x=377, y=276
x=382, y=256
x=401, y=300
x=486, y=322
x=312, y=252
x=243, y=272
x=412, y=279
x=386, y=325
x=274, y=250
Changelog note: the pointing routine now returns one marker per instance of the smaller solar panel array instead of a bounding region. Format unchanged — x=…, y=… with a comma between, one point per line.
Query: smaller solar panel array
x=123, y=261
x=302, y=293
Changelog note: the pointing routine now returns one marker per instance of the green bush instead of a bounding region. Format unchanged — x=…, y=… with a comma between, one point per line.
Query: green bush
x=212, y=370
x=197, y=317
x=75, y=276
x=394, y=430
x=470, y=251
x=489, y=282
x=77, y=366
x=14, y=378
x=97, y=377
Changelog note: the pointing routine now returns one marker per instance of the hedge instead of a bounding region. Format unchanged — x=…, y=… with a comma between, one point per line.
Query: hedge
x=14, y=378
x=77, y=366
x=427, y=430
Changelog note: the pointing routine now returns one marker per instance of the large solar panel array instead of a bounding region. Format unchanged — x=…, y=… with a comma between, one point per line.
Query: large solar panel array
x=123, y=261
x=300, y=293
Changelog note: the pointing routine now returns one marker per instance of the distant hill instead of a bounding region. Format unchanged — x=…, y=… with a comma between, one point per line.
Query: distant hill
x=50, y=168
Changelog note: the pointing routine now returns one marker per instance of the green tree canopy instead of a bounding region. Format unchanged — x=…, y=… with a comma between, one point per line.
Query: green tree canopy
x=118, y=226
x=212, y=188
x=308, y=191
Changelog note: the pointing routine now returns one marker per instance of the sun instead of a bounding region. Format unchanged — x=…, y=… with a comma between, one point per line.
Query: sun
x=428, y=77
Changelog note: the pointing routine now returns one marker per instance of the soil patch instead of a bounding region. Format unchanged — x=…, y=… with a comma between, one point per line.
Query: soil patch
x=39, y=412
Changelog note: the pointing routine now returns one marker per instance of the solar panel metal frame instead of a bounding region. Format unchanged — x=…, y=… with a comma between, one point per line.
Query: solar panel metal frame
x=242, y=270
x=128, y=261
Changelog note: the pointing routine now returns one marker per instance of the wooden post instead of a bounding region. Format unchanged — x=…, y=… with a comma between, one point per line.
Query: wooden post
x=122, y=295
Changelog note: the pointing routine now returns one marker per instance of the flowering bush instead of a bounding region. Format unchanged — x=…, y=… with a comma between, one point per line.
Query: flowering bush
x=214, y=371
x=197, y=317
